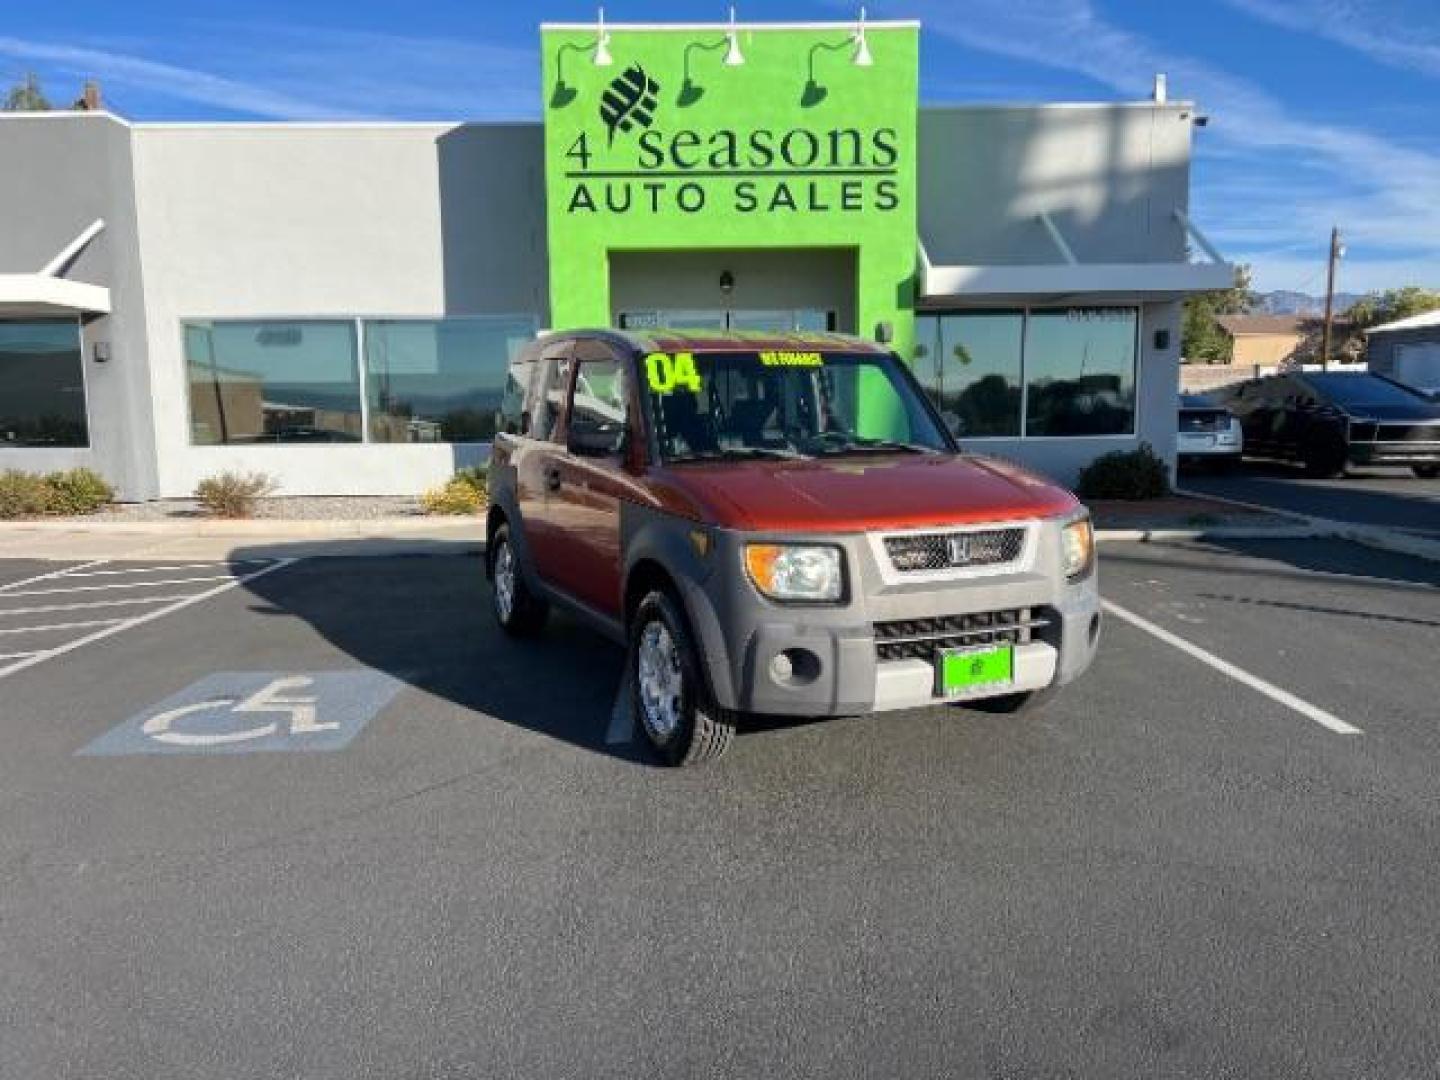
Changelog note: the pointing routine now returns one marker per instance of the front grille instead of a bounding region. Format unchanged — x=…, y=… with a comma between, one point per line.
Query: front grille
x=921, y=639
x=1408, y=433
x=954, y=550
x=1204, y=420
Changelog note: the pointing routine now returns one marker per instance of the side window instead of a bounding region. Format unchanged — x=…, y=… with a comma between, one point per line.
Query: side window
x=547, y=391
x=512, y=418
x=600, y=406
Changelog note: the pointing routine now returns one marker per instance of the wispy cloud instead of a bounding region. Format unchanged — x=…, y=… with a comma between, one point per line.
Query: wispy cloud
x=300, y=73
x=1398, y=35
x=168, y=80
x=1303, y=174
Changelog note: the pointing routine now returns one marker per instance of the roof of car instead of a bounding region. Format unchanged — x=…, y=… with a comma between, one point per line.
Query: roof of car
x=668, y=339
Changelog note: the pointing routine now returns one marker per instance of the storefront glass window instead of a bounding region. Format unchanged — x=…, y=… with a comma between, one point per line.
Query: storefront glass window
x=42, y=384
x=273, y=382
x=971, y=366
x=1080, y=371
x=439, y=380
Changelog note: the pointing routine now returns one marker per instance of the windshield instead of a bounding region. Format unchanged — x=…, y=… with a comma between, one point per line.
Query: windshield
x=785, y=404
x=1363, y=390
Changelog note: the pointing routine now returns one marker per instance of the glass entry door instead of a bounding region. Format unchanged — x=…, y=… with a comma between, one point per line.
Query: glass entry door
x=781, y=319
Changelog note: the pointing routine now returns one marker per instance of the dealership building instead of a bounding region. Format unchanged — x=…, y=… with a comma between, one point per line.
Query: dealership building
x=336, y=304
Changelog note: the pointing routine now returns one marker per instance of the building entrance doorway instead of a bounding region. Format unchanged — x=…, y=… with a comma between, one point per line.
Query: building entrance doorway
x=768, y=290
x=780, y=319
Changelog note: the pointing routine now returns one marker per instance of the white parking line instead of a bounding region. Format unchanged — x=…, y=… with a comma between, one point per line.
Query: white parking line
x=59, y=626
x=158, y=569
x=123, y=585
x=15, y=655
x=1269, y=689
x=139, y=620
x=89, y=604
x=622, y=714
x=51, y=574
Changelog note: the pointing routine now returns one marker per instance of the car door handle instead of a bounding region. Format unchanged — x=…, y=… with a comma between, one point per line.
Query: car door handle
x=552, y=479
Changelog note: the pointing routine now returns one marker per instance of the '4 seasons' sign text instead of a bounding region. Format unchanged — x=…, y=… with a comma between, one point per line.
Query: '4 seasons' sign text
x=637, y=165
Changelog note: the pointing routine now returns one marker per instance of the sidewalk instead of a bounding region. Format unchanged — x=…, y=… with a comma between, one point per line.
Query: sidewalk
x=216, y=540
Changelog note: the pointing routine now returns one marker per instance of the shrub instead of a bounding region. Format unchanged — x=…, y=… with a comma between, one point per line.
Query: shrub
x=78, y=491
x=1132, y=474
x=478, y=477
x=232, y=494
x=23, y=494
x=463, y=493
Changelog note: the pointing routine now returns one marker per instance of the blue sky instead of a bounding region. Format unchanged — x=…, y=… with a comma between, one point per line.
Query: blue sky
x=1322, y=111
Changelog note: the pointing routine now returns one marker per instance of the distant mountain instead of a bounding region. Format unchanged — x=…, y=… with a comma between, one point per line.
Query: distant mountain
x=1285, y=302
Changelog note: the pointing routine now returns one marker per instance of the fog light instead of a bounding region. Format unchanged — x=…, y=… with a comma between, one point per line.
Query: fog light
x=795, y=668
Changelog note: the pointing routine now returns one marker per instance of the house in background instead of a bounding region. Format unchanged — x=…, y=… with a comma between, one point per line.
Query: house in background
x=1270, y=340
x=1407, y=350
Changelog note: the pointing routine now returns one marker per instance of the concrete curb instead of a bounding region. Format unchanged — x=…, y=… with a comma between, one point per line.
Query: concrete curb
x=1373, y=536
x=1215, y=532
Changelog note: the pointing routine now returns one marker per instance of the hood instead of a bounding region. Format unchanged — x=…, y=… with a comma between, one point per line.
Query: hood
x=860, y=493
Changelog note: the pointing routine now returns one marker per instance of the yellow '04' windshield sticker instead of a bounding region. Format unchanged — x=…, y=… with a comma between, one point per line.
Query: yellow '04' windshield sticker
x=666, y=373
x=791, y=359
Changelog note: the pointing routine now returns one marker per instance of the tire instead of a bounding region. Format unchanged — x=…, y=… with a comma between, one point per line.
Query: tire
x=518, y=611
x=668, y=692
x=1325, y=457
x=1426, y=472
x=1021, y=704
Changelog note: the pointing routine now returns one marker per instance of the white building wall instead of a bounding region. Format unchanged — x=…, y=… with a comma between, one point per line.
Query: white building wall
x=329, y=221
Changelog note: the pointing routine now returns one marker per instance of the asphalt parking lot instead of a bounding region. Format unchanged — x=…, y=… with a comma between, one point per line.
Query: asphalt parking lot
x=326, y=822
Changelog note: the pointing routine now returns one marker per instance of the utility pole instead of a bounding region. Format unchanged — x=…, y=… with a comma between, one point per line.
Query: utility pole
x=1335, y=252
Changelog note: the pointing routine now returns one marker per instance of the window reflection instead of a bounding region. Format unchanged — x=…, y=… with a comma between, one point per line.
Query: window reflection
x=440, y=380
x=1080, y=369
x=273, y=382
x=42, y=384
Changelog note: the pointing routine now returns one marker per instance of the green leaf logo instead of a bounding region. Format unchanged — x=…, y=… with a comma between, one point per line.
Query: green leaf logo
x=630, y=99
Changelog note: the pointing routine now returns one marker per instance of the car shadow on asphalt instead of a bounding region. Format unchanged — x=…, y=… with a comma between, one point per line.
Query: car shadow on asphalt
x=426, y=621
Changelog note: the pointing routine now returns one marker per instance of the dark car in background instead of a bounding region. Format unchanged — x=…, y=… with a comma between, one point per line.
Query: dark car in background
x=1209, y=434
x=1329, y=420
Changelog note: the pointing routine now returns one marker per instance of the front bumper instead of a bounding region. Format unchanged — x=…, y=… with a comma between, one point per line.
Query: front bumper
x=839, y=669
x=1395, y=453
x=1193, y=445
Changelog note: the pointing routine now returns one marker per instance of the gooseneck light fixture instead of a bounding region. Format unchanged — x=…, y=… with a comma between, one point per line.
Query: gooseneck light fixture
x=564, y=93
x=690, y=90
x=814, y=92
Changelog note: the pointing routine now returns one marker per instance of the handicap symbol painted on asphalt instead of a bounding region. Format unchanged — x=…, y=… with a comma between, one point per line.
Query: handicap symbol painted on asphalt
x=238, y=712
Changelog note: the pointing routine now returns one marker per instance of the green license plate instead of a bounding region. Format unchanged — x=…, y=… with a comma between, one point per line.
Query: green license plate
x=960, y=670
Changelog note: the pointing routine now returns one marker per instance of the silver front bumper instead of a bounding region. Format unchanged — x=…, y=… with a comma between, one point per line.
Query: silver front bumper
x=910, y=684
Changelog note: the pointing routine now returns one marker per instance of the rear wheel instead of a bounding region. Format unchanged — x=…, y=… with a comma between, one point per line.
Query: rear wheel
x=1426, y=472
x=668, y=690
x=518, y=611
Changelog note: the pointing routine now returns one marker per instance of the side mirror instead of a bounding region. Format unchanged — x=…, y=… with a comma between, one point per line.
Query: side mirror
x=954, y=422
x=596, y=438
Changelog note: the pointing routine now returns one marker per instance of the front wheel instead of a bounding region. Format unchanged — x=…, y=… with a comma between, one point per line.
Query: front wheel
x=1325, y=457
x=518, y=611
x=1426, y=472
x=668, y=690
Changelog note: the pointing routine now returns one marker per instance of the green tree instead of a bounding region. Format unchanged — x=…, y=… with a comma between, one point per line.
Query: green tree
x=1382, y=307
x=26, y=96
x=1202, y=339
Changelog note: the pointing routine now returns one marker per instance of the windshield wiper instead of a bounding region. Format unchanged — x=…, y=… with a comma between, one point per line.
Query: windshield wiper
x=741, y=452
x=859, y=443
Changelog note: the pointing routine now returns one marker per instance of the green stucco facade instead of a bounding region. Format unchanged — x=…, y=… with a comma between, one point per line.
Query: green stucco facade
x=669, y=149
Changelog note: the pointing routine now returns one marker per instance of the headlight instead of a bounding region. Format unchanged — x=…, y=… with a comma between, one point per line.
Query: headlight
x=1077, y=548
x=796, y=571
